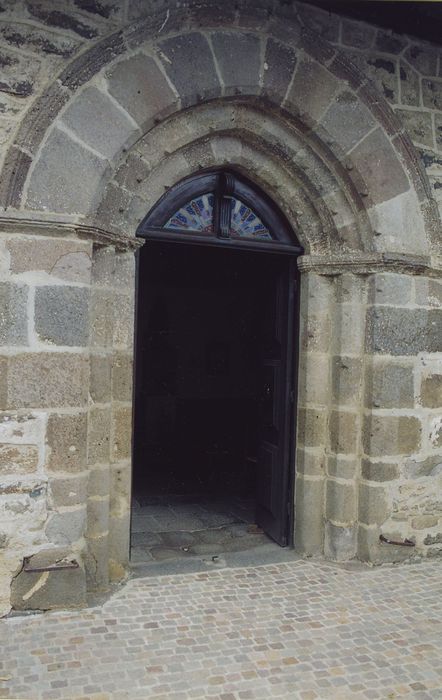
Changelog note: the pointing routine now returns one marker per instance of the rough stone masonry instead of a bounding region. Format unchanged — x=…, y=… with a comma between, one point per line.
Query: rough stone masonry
x=103, y=105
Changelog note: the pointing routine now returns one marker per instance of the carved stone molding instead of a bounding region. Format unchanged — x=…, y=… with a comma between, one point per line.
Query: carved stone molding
x=368, y=263
x=52, y=227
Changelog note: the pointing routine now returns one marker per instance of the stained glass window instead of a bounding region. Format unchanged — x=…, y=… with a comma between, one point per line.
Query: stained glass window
x=197, y=215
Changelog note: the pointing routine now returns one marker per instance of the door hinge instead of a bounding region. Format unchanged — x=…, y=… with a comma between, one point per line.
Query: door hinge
x=292, y=396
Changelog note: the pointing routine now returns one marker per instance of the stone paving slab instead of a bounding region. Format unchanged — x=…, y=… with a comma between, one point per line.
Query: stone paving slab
x=300, y=630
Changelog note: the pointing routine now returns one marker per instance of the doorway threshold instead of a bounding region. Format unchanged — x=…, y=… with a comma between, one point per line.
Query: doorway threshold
x=170, y=536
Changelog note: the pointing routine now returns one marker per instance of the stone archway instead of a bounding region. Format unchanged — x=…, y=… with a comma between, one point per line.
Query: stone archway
x=333, y=156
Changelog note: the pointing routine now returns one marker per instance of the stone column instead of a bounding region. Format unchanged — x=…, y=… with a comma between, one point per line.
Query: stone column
x=110, y=414
x=401, y=479
x=317, y=301
x=345, y=416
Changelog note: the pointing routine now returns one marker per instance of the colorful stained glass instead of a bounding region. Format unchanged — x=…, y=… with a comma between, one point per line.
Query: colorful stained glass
x=196, y=215
x=244, y=222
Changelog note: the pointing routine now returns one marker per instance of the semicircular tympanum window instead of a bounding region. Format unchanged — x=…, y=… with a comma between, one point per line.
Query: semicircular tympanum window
x=217, y=205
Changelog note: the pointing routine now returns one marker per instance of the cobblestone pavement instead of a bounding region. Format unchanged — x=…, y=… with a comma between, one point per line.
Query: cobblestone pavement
x=294, y=630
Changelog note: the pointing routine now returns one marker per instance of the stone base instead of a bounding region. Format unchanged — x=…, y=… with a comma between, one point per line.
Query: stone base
x=48, y=590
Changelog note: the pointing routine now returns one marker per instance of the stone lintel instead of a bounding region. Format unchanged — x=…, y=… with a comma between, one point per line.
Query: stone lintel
x=360, y=263
x=56, y=227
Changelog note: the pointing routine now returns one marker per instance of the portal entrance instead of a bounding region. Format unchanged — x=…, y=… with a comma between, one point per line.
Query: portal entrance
x=214, y=391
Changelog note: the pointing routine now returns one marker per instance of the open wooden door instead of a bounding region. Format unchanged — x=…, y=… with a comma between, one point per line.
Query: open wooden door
x=273, y=506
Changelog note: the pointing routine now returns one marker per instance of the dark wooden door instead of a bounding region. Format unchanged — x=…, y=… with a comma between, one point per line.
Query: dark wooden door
x=274, y=510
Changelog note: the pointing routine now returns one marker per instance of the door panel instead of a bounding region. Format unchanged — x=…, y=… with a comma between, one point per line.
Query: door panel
x=273, y=490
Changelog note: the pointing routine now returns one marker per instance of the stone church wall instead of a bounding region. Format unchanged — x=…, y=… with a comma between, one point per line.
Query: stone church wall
x=369, y=424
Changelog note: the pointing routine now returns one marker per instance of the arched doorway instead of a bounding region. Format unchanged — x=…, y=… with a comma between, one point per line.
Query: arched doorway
x=215, y=364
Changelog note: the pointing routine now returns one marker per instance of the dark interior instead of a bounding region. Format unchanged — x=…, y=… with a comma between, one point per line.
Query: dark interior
x=198, y=381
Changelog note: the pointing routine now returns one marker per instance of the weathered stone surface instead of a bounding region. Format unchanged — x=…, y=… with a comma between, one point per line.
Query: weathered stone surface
x=340, y=502
x=64, y=259
x=437, y=130
x=432, y=94
x=122, y=433
x=68, y=491
x=119, y=543
x=18, y=459
x=67, y=177
x=101, y=8
x=388, y=42
x=340, y=542
x=112, y=212
x=65, y=588
x=123, y=330
x=15, y=170
x=239, y=60
x=391, y=435
x=343, y=432
x=373, y=504
x=3, y=382
x=62, y=315
x=428, y=467
x=122, y=377
x=40, y=40
x=102, y=317
x=97, y=516
x=66, y=439
x=431, y=389
x=347, y=120
x=279, y=64
x=422, y=522
x=311, y=104
x=100, y=378
x=423, y=57
x=310, y=463
x=99, y=481
x=52, y=15
x=121, y=487
x=86, y=116
x=63, y=380
x=379, y=471
x=313, y=382
x=132, y=172
x=376, y=160
x=309, y=507
x=410, y=85
x=89, y=63
x=391, y=289
x=311, y=427
x=390, y=385
x=189, y=64
x=321, y=22
x=357, y=34
x=103, y=266
x=400, y=331
x=19, y=72
x=346, y=380
x=418, y=125
x=97, y=562
x=372, y=550
x=343, y=467
x=13, y=314
x=99, y=426
x=124, y=274
x=66, y=527
x=315, y=332
x=347, y=322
